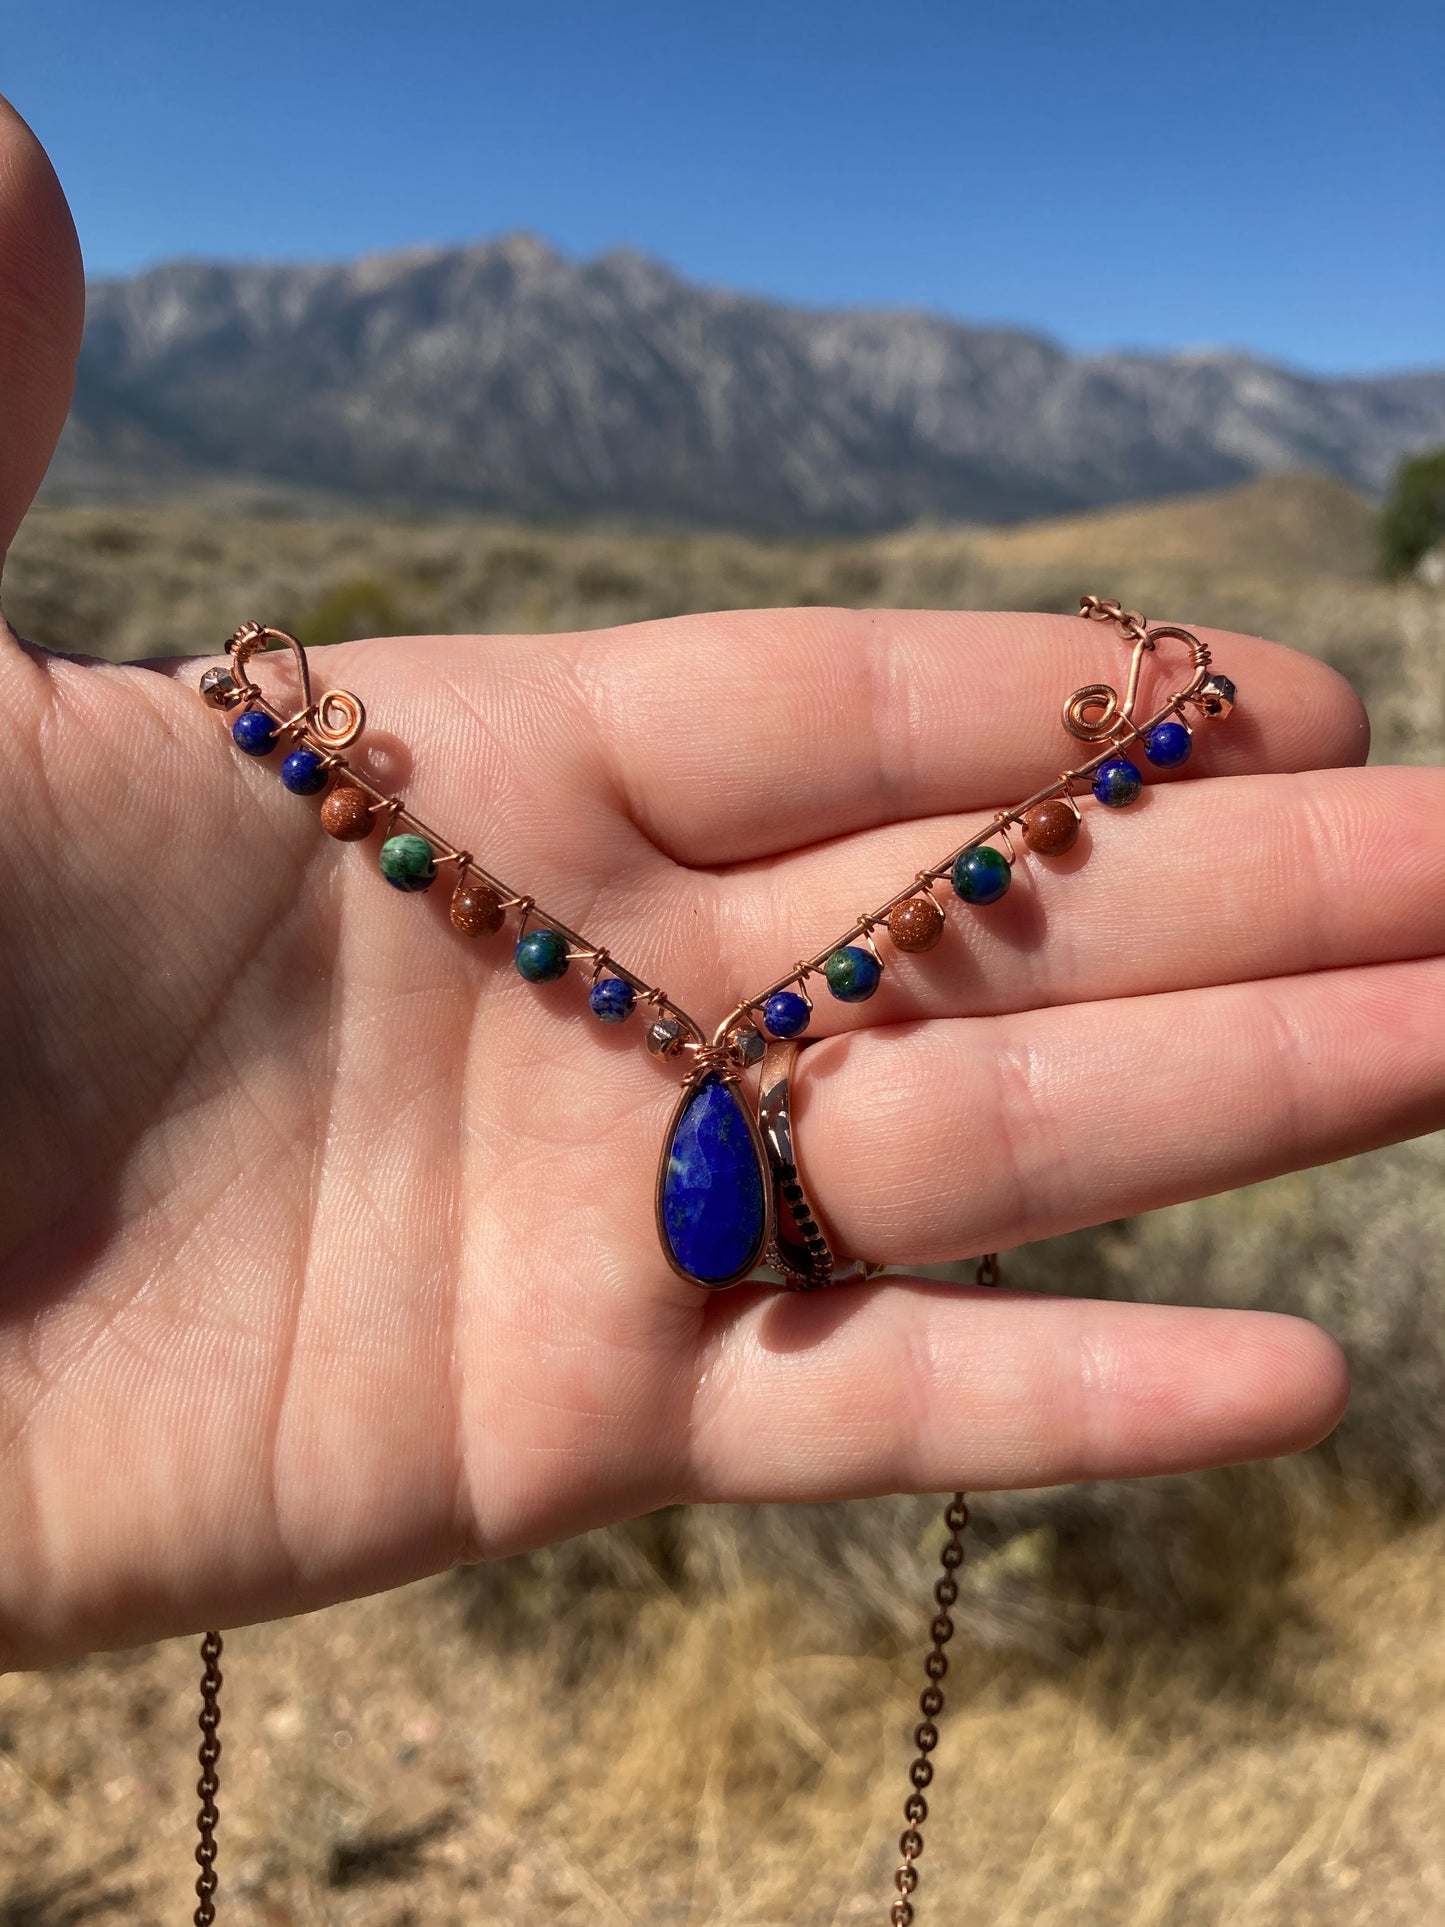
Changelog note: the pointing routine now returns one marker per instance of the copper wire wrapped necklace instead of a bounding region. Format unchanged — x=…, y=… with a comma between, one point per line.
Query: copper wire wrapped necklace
x=730, y=1196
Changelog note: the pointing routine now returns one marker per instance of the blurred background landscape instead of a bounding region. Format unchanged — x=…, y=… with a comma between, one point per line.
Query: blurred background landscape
x=1175, y=1703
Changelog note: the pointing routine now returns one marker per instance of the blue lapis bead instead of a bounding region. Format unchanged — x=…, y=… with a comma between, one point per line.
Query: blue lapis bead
x=981, y=875
x=541, y=956
x=254, y=732
x=304, y=773
x=787, y=1014
x=852, y=974
x=611, y=1000
x=1168, y=745
x=1117, y=783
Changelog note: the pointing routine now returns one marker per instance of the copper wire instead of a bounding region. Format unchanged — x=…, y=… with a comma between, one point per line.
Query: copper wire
x=305, y=725
x=1095, y=713
x=1122, y=729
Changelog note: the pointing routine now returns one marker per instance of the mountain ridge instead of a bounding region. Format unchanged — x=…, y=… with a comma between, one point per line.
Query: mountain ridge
x=504, y=376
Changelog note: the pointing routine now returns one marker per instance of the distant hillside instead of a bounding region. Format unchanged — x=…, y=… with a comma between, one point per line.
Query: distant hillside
x=508, y=379
x=1282, y=526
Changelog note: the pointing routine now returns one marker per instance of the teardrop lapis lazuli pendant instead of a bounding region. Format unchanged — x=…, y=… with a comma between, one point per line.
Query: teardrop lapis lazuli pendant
x=714, y=1205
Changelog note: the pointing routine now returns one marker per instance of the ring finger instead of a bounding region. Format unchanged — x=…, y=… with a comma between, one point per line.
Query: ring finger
x=923, y=1143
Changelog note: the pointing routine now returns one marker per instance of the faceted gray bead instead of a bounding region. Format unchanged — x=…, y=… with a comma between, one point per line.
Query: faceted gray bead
x=664, y=1038
x=1217, y=697
x=749, y=1044
x=219, y=689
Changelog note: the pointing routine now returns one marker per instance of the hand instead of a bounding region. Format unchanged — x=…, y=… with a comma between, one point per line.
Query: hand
x=326, y=1243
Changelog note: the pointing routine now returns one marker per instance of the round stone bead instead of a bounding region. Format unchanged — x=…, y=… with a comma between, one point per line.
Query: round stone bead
x=542, y=956
x=1117, y=783
x=304, y=773
x=611, y=1000
x=254, y=732
x=916, y=923
x=982, y=874
x=407, y=863
x=664, y=1038
x=853, y=974
x=749, y=1044
x=787, y=1013
x=346, y=814
x=1051, y=827
x=476, y=909
x=1168, y=745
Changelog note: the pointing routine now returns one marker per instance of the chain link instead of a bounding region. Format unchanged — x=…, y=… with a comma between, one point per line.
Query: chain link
x=208, y=1819
x=1097, y=608
x=930, y=1700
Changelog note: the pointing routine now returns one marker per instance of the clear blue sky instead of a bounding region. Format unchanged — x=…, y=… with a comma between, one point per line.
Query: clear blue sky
x=1270, y=176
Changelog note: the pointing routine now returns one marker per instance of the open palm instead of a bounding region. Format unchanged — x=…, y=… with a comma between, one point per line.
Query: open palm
x=326, y=1243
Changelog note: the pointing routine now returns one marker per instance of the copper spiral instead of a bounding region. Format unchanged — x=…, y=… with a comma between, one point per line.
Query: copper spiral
x=1098, y=728
x=349, y=719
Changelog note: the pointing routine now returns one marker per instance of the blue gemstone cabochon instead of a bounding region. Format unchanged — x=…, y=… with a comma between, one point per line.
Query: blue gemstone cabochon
x=1117, y=783
x=303, y=772
x=981, y=875
x=712, y=1200
x=1168, y=745
x=787, y=1014
x=611, y=999
x=254, y=732
x=541, y=956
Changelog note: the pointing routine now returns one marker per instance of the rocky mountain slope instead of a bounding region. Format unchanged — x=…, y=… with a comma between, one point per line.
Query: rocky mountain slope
x=505, y=377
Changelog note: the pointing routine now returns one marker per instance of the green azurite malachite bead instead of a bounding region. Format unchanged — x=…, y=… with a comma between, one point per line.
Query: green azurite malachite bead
x=407, y=862
x=852, y=974
x=981, y=875
x=541, y=956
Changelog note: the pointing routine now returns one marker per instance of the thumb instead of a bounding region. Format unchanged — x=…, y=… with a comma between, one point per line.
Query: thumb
x=42, y=307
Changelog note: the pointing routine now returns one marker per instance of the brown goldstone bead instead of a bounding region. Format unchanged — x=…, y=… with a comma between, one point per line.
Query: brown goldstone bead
x=476, y=909
x=346, y=813
x=916, y=923
x=1051, y=827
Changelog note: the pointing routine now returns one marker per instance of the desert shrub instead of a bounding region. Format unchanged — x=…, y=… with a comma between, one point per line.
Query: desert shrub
x=601, y=578
x=115, y=538
x=1413, y=518
x=854, y=579
x=362, y=605
x=509, y=563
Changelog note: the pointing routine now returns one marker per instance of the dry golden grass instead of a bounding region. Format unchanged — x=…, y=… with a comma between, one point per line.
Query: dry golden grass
x=1175, y=1704
x=640, y=1753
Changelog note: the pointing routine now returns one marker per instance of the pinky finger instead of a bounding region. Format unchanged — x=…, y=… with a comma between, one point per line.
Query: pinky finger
x=920, y=1387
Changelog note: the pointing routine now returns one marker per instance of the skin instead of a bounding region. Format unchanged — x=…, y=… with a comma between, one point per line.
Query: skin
x=326, y=1243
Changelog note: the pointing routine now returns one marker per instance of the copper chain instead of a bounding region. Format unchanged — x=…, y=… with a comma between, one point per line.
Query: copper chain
x=930, y=1700
x=1097, y=608
x=208, y=1819
x=920, y=1773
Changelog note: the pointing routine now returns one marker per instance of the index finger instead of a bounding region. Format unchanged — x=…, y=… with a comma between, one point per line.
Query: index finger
x=749, y=733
